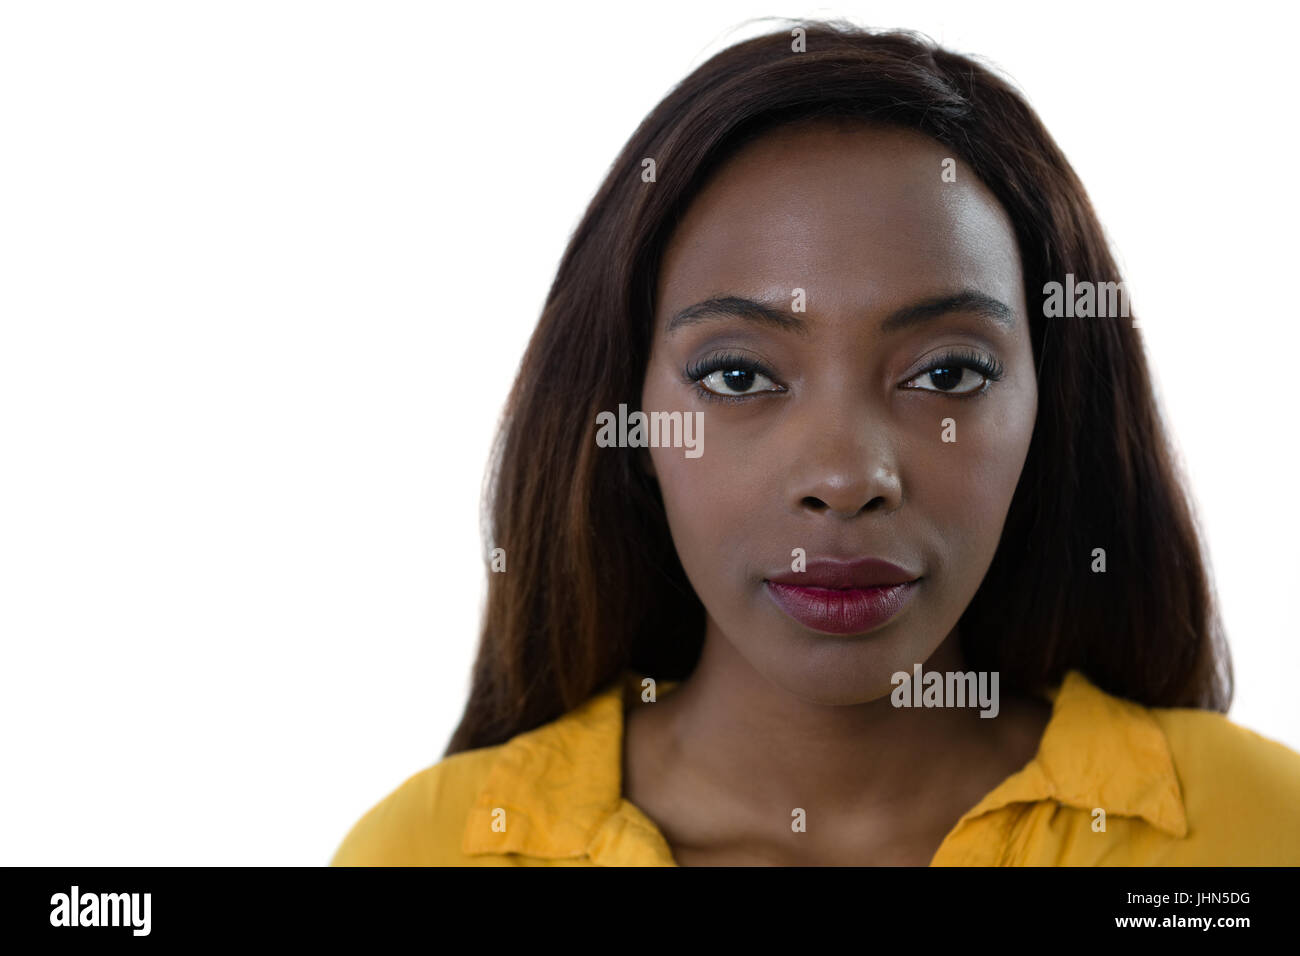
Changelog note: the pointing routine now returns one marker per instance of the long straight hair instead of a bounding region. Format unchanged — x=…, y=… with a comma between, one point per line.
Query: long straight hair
x=593, y=585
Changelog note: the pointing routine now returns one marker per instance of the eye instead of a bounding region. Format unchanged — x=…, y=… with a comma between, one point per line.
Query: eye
x=954, y=379
x=958, y=373
x=730, y=377
x=736, y=381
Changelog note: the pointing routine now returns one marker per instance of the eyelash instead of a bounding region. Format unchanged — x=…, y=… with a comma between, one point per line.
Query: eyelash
x=725, y=362
x=987, y=366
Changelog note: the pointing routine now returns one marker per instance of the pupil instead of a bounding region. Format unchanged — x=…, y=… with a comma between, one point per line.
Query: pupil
x=738, y=379
x=946, y=378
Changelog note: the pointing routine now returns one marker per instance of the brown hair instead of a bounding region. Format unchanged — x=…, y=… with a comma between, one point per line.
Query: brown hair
x=593, y=584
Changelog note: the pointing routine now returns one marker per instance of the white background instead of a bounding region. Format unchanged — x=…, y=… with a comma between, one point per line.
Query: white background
x=267, y=268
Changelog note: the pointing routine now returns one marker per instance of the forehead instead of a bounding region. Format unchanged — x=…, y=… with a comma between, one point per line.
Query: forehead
x=848, y=211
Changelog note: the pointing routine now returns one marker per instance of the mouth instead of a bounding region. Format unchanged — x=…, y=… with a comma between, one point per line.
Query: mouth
x=836, y=597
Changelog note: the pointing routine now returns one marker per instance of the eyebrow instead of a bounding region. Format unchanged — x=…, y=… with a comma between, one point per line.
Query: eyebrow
x=730, y=306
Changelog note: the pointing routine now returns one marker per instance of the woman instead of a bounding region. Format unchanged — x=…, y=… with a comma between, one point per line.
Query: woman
x=822, y=532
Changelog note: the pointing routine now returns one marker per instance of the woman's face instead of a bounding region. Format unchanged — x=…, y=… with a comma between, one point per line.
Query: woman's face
x=883, y=413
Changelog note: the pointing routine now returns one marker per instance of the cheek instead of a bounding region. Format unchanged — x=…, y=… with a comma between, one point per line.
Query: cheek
x=964, y=488
x=709, y=502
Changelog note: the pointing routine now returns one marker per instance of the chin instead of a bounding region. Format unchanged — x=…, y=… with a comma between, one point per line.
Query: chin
x=826, y=669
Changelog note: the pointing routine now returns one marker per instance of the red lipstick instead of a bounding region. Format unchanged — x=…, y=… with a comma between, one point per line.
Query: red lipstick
x=843, y=597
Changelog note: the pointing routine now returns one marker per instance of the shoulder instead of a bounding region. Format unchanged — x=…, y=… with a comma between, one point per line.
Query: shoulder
x=422, y=822
x=1240, y=790
x=1214, y=755
x=558, y=781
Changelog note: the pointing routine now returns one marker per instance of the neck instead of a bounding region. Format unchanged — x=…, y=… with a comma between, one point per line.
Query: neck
x=730, y=729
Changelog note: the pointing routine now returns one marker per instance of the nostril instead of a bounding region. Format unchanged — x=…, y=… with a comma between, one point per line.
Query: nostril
x=817, y=505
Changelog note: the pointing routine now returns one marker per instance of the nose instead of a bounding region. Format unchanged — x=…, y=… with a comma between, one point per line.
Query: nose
x=846, y=465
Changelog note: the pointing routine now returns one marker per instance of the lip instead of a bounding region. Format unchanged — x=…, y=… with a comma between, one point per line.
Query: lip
x=843, y=597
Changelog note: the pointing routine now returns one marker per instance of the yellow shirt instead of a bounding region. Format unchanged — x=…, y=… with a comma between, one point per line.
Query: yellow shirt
x=1179, y=787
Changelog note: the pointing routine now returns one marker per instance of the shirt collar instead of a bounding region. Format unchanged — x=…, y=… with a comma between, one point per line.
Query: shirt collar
x=1097, y=751
x=560, y=785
